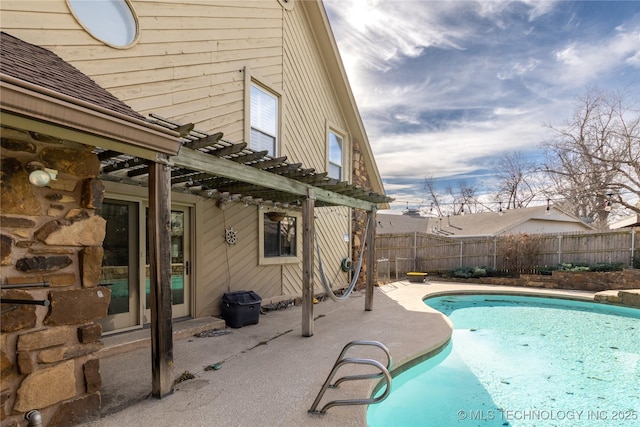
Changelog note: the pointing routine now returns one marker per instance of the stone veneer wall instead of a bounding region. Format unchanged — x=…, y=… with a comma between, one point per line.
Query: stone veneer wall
x=50, y=234
x=593, y=281
x=359, y=218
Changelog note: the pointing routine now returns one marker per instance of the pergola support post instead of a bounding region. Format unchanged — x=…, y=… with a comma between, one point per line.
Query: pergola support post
x=160, y=278
x=307, y=263
x=370, y=243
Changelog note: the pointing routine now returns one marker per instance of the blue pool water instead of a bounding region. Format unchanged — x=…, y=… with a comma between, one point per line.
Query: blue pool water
x=523, y=361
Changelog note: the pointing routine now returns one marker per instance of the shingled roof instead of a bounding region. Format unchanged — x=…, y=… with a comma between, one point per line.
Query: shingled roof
x=477, y=224
x=44, y=68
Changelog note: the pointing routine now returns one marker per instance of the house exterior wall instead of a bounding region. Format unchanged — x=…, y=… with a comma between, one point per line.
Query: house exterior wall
x=191, y=64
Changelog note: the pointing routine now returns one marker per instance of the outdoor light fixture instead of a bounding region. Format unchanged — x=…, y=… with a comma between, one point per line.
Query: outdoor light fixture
x=608, y=204
x=548, y=206
x=276, y=216
x=500, y=211
x=39, y=175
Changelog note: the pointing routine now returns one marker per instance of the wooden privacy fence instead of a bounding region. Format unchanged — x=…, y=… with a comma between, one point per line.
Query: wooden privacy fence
x=398, y=254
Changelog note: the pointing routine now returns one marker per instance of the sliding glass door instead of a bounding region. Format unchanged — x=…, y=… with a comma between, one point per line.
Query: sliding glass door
x=120, y=264
x=124, y=255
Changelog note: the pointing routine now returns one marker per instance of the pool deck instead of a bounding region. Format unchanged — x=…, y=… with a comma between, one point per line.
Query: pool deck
x=269, y=374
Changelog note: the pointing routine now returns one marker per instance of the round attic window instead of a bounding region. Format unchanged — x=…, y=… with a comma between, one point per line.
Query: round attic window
x=113, y=22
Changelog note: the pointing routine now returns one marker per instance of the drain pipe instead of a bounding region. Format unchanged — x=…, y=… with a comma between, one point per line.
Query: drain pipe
x=34, y=418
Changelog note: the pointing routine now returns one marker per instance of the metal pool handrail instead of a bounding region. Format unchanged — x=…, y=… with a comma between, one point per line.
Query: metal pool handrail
x=341, y=361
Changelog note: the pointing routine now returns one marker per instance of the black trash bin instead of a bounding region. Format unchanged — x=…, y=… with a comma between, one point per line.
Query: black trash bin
x=241, y=308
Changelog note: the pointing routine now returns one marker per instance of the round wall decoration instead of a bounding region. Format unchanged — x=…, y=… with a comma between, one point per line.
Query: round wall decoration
x=231, y=236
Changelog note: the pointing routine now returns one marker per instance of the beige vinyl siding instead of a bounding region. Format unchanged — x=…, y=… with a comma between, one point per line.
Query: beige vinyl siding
x=311, y=104
x=188, y=61
x=188, y=65
x=221, y=267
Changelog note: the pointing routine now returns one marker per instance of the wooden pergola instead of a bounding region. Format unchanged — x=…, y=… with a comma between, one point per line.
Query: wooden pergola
x=165, y=157
x=211, y=167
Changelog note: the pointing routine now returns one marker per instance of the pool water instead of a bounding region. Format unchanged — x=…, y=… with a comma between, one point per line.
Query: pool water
x=523, y=361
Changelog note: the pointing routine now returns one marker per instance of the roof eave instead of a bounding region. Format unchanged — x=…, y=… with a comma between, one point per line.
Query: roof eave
x=326, y=41
x=26, y=105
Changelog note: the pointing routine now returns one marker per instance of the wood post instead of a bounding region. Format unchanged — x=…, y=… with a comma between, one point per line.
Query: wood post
x=160, y=278
x=308, y=222
x=371, y=259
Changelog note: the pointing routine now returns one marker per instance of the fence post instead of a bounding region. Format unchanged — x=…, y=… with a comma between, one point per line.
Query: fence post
x=415, y=250
x=560, y=249
x=633, y=244
x=461, y=243
x=495, y=253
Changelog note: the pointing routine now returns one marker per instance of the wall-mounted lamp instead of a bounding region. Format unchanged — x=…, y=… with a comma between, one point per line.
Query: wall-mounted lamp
x=276, y=216
x=39, y=175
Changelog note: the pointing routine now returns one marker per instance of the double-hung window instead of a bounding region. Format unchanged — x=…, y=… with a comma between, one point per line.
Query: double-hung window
x=336, y=168
x=264, y=120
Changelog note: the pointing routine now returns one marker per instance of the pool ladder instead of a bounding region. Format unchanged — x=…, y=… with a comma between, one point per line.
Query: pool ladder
x=341, y=361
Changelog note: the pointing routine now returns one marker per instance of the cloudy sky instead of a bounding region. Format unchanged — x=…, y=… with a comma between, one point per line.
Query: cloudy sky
x=444, y=87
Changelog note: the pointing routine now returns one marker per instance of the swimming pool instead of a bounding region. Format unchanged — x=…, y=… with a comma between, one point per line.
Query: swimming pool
x=523, y=361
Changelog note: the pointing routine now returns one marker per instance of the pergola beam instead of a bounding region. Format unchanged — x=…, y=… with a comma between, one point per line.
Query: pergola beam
x=196, y=160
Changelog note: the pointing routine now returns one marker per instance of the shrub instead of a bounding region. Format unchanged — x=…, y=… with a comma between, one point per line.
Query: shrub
x=603, y=266
x=580, y=266
x=546, y=270
x=472, y=272
x=461, y=272
x=518, y=252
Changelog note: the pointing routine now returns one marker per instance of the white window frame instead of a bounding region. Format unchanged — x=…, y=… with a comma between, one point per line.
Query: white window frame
x=110, y=16
x=276, y=260
x=252, y=81
x=345, y=174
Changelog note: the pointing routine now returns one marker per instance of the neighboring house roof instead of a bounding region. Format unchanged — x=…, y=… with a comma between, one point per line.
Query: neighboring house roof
x=632, y=221
x=535, y=219
x=44, y=68
x=401, y=224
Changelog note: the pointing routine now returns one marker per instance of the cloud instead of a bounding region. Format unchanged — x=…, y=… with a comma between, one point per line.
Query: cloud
x=581, y=62
x=446, y=86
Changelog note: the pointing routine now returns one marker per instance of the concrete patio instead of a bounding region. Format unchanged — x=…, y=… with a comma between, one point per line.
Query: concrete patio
x=268, y=374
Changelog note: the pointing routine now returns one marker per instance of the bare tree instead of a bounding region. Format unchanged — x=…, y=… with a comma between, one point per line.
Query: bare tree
x=593, y=159
x=453, y=201
x=516, y=180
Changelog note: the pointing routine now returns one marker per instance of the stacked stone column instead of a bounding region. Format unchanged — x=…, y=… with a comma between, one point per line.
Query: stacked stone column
x=359, y=218
x=50, y=235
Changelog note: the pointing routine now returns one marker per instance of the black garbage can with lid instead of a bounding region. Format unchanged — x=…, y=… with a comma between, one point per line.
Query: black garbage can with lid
x=241, y=308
